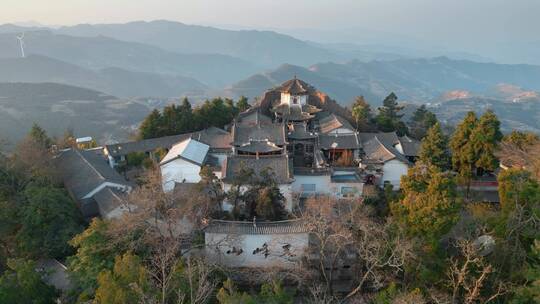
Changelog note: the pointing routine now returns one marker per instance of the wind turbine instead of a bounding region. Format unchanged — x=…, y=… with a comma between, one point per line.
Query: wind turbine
x=21, y=43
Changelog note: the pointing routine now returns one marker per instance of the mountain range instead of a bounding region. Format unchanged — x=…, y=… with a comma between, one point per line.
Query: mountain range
x=164, y=59
x=415, y=80
x=58, y=107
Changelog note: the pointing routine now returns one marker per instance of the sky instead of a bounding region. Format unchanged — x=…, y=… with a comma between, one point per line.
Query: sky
x=466, y=23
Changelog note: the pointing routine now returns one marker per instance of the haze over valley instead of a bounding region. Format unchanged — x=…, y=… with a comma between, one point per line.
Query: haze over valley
x=167, y=60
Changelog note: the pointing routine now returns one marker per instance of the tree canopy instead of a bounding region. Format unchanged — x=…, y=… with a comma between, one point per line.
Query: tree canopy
x=22, y=284
x=361, y=112
x=421, y=121
x=389, y=118
x=177, y=119
x=434, y=149
x=464, y=155
x=430, y=205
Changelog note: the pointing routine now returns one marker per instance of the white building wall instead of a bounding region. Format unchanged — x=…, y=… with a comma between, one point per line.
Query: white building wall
x=179, y=171
x=286, y=190
x=392, y=172
x=217, y=245
x=288, y=99
x=321, y=182
x=399, y=147
x=323, y=185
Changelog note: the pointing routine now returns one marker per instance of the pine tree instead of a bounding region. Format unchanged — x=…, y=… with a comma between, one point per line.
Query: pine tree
x=485, y=139
x=388, y=119
x=186, y=121
x=430, y=206
x=151, y=127
x=21, y=283
x=39, y=136
x=421, y=121
x=434, y=149
x=242, y=104
x=463, y=154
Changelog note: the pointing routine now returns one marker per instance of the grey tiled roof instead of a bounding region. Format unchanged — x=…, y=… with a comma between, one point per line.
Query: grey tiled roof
x=216, y=138
x=295, y=86
x=390, y=140
x=108, y=199
x=410, y=146
x=239, y=228
x=83, y=171
x=259, y=146
x=299, y=131
x=387, y=138
x=327, y=142
x=293, y=113
x=55, y=274
x=332, y=122
x=253, y=116
x=145, y=145
x=280, y=165
x=275, y=133
x=377, y=151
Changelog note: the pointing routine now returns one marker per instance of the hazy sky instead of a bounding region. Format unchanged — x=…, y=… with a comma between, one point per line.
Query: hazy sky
x=460, y=21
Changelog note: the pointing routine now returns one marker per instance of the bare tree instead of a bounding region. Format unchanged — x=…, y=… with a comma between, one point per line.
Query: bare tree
x=330, y=237
x=201, y=287
x=381, y=254
x=522, y=157
x=163, y=224
x=318, y=294
x=468, y=275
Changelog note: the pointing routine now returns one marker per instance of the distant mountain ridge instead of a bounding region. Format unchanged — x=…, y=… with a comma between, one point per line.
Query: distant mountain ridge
x=415, y=80
x=57, y=107
x=104, y=52
x=524, y=115
x=263, y=48
x=115, y=81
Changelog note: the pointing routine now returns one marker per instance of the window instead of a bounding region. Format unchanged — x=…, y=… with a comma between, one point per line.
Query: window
x=295, y=100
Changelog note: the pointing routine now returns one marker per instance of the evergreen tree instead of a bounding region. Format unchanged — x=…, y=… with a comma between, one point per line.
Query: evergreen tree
x=151, y=127
x=388, y=118
x=274, y=293
x=485, y=138
x=48, y=220
x=530, y=292
x=170, y=119
x=434, y=149
x=22, y=284
x=95, y=253
x=463, y=153
x=125, y=284
x=39, y=136
x=518, y=187
x=421, y=121
x=186, y=120
x=242, y=104
x=361, y=112
x=521, y=140
x=269, y=204
x=430, y=206
x=228, y=294
x=263, y=198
